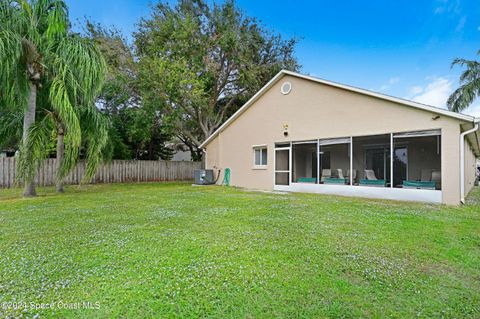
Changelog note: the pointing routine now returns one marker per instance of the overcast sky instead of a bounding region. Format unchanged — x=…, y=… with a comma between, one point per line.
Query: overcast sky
x=400, y=48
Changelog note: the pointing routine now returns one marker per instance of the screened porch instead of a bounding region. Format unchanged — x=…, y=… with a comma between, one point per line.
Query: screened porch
x=397, y=161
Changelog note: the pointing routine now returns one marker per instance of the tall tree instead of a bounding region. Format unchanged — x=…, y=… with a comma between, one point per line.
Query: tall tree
x=198, y=63
x=94, y=130
x=469, y=88
x=40, y=56
x=138, y=131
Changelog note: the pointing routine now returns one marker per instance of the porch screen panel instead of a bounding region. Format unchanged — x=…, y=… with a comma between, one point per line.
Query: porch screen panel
x=282, y=167
x=371, y=161
x=417, y=160
x=334, y=161
x=304, y=162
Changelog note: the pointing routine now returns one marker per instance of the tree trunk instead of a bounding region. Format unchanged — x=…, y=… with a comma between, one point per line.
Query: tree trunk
x=60, y=154
x=197, y=154
x=28, y=121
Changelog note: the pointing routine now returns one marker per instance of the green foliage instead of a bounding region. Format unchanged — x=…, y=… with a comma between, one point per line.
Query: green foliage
x=138, y=129
x=199, y=62
x=35, y=150
x=167, y=250
x=95, y=128
x=192, y=66
x=37, y=49
x=10, y=129
x=469, y=88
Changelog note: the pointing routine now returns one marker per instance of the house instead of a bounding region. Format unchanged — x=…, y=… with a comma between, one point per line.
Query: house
x=304, y=134
x=7, y=152
x=182, y=153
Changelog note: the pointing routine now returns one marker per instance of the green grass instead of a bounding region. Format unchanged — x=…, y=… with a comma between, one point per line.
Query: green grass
x=172, y=250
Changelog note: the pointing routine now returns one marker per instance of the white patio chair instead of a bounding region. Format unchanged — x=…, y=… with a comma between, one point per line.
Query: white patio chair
x=354, y=176
x=326, y=173
x=340, y=173
x=370, y=175
x=426, y=175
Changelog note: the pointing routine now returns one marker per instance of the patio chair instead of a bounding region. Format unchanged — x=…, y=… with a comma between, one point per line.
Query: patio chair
x=372, y=180
x=326, y=173
x=426, y=175
x=426, y=180
x=419, y=184
x=334, y=180
x=354, y=175
x=437, y=178
x=312, y=180
x=339, y=179
x=370, y=175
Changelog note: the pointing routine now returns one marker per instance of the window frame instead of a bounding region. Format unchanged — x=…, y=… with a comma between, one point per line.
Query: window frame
x=260, y=148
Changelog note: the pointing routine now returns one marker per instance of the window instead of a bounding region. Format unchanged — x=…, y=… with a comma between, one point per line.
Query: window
x=260, y=156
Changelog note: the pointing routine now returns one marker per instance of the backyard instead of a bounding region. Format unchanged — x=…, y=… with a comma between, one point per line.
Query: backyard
x=173, y=250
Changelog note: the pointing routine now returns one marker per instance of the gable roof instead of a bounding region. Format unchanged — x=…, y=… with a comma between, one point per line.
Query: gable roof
x=282, y=73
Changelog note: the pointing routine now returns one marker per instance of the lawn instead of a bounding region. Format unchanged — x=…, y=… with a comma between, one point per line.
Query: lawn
x=173, y=250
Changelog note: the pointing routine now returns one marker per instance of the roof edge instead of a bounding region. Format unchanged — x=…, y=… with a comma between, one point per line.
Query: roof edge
x=242, y=109
x=279, y=75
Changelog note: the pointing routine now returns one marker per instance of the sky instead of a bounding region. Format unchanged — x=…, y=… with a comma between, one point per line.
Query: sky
x=400, y=48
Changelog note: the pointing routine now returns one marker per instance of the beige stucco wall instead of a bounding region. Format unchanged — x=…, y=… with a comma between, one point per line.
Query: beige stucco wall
x=470, y=168
x=314, y=110
x=212, y=156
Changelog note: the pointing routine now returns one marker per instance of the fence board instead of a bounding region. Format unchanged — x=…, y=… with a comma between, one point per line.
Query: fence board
x=118, y=171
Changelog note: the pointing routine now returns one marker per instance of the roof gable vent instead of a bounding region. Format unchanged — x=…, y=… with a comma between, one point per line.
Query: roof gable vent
x=286, y=88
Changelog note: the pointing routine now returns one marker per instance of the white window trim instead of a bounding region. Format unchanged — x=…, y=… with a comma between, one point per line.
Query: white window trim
x=259, y=147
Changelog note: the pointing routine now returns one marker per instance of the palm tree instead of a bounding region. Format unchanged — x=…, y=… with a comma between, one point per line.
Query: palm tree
x=40, y=56
x=469, y=88
x=94, y=127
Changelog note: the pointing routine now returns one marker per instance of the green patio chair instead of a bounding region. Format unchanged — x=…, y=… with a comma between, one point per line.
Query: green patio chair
x=419, y=184
x=306, y=180
x=373, y=182
x=337, y=181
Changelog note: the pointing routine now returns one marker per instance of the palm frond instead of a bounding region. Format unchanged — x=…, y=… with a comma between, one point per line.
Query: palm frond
x=56, y=19
x=472, y=71
x=463, y=97
x=13, y=17
x=86, y=64
x=95, y=128
x=13, y=88
x=40, y=134
x=60, y=101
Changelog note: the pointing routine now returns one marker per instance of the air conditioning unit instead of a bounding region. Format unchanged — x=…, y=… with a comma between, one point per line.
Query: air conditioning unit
x=204, y=177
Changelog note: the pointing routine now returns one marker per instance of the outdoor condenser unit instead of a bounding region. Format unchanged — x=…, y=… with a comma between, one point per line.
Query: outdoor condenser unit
x=204, y=177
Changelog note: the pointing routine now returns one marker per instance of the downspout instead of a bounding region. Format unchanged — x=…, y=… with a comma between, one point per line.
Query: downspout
x=462, y=160
x=204, y=158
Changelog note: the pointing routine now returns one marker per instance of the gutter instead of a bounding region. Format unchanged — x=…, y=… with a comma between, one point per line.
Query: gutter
x=462, y=159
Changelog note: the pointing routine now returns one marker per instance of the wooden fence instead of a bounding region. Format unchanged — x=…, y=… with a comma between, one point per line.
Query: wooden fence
x=114, y=172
